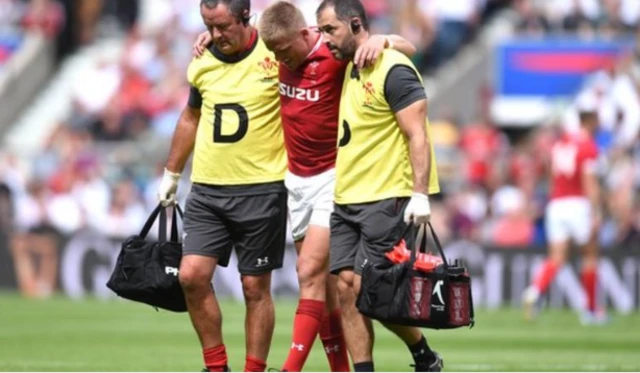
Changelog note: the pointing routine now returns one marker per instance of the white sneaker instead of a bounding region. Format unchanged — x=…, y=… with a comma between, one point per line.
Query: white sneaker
x=597, y=318
x=529, y=300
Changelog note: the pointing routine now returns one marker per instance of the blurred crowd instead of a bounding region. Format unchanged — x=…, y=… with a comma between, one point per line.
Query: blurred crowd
x=503, y=189
x=606, y=18
x=495, y=182
x=19, y=16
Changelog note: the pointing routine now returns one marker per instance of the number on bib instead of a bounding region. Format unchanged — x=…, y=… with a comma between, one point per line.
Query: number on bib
x=243, y=123
x=346, y=134
x=563, y=159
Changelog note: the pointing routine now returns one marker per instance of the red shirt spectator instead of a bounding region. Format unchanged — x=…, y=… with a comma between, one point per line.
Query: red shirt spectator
x=46, y=16
x=480, y=144
x=514, y=230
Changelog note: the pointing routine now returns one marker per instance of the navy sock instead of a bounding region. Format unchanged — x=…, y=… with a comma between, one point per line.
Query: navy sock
x=366, y=366
x=421, y=352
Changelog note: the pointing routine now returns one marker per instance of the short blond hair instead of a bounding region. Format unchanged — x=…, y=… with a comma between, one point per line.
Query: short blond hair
x=280, y=20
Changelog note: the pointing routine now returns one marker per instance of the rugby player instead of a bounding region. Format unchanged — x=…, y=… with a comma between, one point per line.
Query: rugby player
x=573, y=213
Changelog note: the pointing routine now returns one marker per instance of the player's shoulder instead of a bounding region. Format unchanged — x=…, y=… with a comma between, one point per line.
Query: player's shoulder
x=589, y=146
x=325, y=58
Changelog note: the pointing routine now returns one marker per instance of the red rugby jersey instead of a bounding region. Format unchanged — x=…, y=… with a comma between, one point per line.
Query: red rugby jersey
x=310, y=101
x=571, y=156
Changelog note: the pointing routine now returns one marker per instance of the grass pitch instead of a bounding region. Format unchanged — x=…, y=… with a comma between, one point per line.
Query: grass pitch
x=116, y=335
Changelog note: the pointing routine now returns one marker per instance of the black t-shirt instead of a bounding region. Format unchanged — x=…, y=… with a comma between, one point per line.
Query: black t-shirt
x=403, y=87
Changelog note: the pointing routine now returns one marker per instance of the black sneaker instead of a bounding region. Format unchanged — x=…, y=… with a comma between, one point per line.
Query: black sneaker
x=432, y=366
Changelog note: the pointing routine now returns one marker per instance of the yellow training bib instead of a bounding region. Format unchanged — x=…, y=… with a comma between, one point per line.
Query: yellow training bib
x=373, y=154
x=239, y=139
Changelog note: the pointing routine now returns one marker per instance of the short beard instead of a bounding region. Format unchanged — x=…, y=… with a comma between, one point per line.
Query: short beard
x=348, y=51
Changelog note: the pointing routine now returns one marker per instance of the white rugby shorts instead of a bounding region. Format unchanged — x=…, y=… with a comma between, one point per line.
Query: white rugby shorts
x=568, y=219
x=310, y=201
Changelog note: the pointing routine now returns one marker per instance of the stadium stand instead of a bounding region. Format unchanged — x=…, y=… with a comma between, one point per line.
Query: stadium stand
x=93, y=161
x=26, y=30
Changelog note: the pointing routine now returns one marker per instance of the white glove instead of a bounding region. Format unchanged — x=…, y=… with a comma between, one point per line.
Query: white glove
x=418, y=209
x=168, y=188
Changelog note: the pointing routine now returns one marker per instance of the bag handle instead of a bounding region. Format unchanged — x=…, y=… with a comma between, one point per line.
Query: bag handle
x=421, y=241
x=177, y=212
x=162, y=229
x=162, y=226
x=149, y=223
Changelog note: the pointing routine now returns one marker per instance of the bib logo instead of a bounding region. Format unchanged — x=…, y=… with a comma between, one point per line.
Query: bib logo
x=270, y=69
x=301, y=94
x=369, y=91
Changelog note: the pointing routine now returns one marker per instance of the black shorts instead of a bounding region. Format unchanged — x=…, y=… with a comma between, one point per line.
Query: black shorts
x=363, y=233
x=252, y=223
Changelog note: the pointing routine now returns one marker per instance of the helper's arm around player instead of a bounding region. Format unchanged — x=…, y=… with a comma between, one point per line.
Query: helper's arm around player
x=182, y=144
x=366, y=54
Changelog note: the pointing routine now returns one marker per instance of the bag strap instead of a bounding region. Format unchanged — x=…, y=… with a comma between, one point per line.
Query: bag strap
x=162, y=227
x=438, y=245
x=472, y=320
x=149, y=223
x=421, y=242
x=177, y=212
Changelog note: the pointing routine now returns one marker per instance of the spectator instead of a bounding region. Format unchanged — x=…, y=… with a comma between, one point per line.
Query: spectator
x=379, y=13
x=623, y=14
x=34, y=245
x=455, y=20
x=481, y=144
x=574, y=14
x=619, y=183
x=11, y=12
x=45, y=16
x=126, y=214
x=91, y=190
x=513, y=226
x=88, y=12
x=532, y=21
x=413, y=24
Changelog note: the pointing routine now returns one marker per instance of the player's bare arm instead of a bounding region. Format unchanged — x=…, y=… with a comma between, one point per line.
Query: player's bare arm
x=412, y=123
x=184, y=139
x=368, y=53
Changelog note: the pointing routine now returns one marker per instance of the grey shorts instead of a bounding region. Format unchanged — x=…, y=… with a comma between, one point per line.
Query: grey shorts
x=255, y=225
x=362, y=233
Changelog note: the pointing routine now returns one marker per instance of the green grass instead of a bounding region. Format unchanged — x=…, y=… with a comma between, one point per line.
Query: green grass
x=94, y=335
